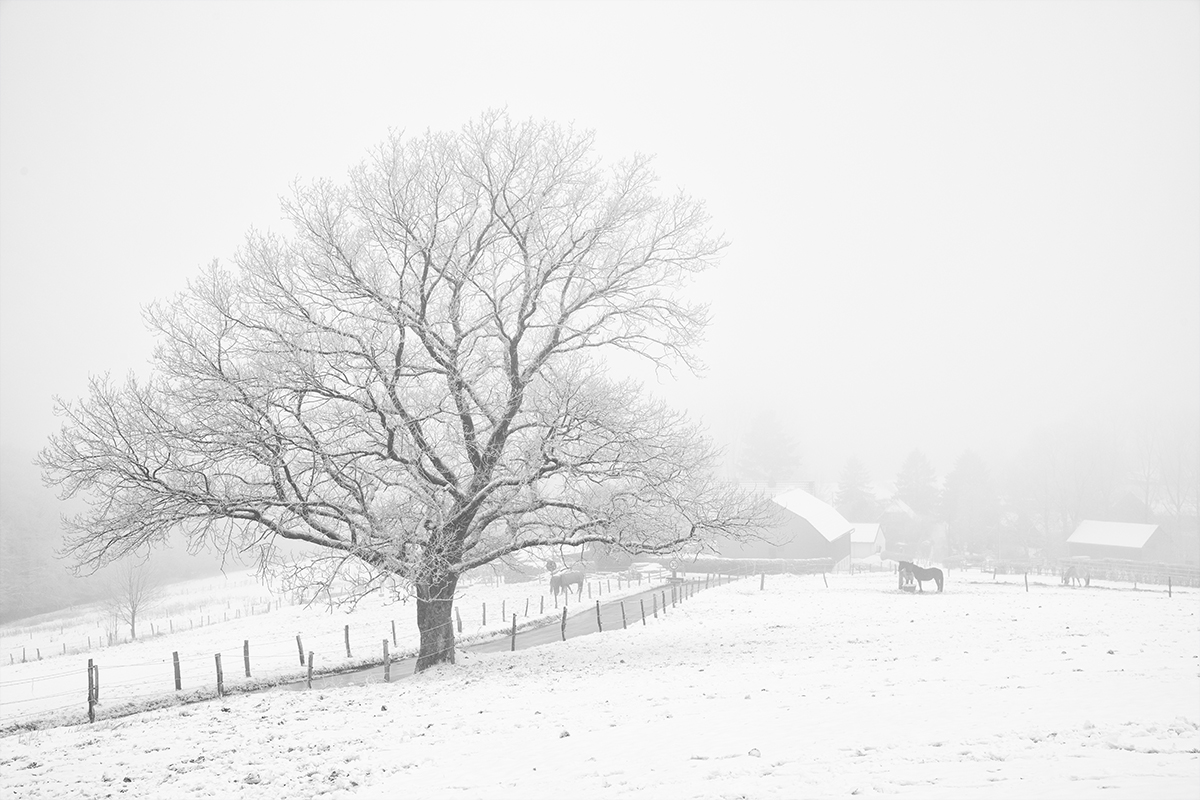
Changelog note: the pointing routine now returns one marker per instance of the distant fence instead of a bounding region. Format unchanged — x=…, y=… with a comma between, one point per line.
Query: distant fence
x=1116, y=569
x=1105, y=569
x=751, y=566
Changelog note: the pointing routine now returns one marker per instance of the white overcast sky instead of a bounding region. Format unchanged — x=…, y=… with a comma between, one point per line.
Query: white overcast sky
x=951, y=223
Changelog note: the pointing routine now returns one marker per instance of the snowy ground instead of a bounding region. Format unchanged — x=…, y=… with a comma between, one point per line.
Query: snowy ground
x=794, y=691
x=219, y=615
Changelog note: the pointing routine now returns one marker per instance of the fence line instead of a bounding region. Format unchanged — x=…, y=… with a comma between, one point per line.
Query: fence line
x=172, y=671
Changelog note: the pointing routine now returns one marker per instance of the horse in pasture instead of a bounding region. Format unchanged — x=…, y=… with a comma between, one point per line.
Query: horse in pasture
x=922, y=574
x=1073, y=576
x=561, y=581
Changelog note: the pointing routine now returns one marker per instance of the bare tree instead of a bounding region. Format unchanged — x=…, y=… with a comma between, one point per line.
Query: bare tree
x=413, y=382
x=133, y=589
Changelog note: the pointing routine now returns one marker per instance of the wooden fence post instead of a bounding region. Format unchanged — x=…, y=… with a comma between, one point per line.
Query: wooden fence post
x=599, y=624
x=503, y=609
x=664, y=599
x=624, y=625
x=310, y=665
x=485, y=615
x=300, y=647
x=762, y=581
x=246, y=655
x=542, y=606
x=513, y=646
x=564, y=623
x=393, y=632
x=1027, y=581
x=526, y=606
x=825, y=579
x=220, y=678
x=178, y=682
x=96, y=682
x=91, y=699
x=387, y=660
x=653, y=605
x=348, y=642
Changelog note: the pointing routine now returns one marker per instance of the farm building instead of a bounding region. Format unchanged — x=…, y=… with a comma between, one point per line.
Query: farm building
x=867, y=540
x=1133, y=541
x=805, y=527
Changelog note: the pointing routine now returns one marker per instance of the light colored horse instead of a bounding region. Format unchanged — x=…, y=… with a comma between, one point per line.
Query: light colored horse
x=563, y=580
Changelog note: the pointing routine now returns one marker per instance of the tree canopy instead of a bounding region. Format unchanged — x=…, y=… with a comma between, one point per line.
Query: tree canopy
x=855, y=499
x=970, y=506
x=413, y=381
x=916, y=484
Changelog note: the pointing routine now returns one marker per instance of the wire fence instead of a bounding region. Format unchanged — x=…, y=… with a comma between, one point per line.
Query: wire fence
x=255, y=653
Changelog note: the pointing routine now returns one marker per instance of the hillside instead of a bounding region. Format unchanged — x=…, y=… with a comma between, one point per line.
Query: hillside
x=985, y=691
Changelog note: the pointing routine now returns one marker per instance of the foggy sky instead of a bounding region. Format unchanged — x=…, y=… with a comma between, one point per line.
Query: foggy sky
x=949, y=223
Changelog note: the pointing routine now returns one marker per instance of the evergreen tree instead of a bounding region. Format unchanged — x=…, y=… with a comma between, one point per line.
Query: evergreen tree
x=970, y=506
x=855, y=500
x=769, y=454
x=916, y=485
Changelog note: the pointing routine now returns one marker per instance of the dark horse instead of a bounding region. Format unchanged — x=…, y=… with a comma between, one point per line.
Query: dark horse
x=563, y=580
x=922, y=574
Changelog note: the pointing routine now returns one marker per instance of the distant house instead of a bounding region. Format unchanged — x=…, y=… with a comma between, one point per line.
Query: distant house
x=867, y=540
x=1134, y=541
x=805, y=527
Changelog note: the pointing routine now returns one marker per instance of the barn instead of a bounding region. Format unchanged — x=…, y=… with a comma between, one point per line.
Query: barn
x=804, y=527
x=867, y=540
x=1132, y=541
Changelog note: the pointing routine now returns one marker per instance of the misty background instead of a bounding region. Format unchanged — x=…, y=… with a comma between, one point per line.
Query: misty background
x=964, y=237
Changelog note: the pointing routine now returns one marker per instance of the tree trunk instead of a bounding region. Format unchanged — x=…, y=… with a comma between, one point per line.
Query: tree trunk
x=435, y=601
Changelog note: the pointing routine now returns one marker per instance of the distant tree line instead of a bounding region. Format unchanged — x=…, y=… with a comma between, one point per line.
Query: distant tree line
x=1029, y=507
x=34, y=580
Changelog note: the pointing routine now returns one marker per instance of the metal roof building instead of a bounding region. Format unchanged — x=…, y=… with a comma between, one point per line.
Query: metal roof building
x=805, y=527
x=1127, y=540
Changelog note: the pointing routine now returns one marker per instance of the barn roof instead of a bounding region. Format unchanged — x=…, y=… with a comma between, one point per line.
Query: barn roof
x=822, y=516
x=865, y=532
x=1113, y=534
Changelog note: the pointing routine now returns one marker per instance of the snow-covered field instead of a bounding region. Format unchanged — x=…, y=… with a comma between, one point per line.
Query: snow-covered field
x=219, y=615
x=794, y=691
